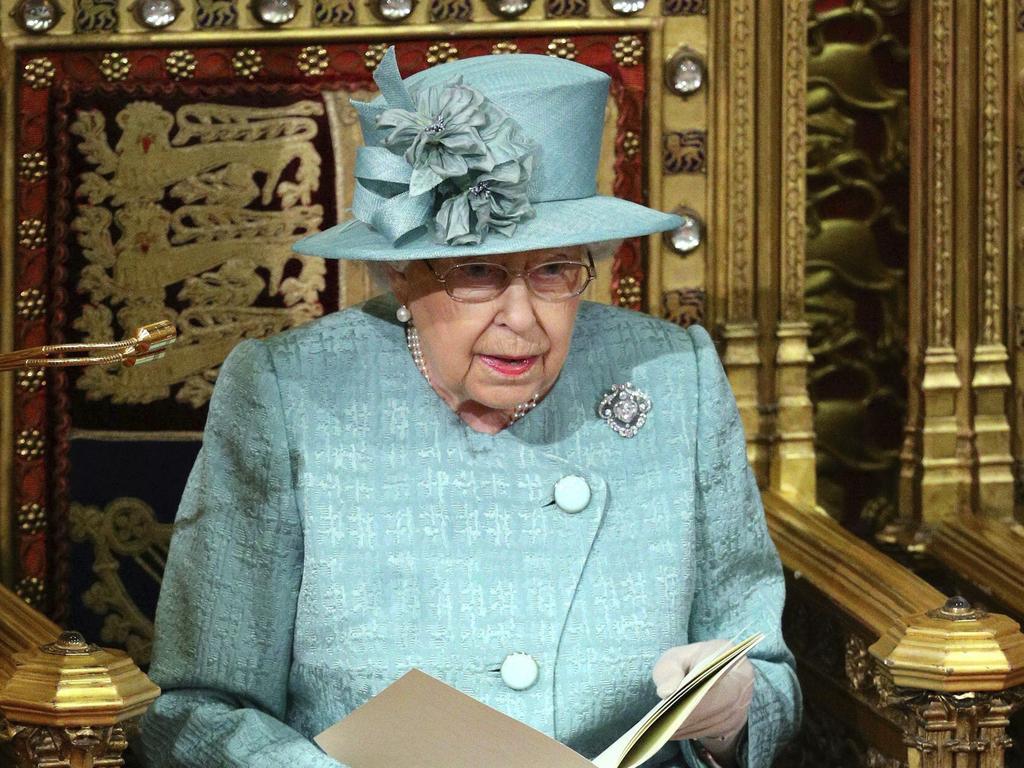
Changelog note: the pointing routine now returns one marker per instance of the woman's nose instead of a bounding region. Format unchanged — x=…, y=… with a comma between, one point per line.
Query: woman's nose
x=515, y=306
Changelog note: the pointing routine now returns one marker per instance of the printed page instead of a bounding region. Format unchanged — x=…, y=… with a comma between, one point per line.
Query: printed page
x=668, y=715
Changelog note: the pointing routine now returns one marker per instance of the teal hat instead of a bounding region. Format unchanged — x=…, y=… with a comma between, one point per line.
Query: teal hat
x=486, y=155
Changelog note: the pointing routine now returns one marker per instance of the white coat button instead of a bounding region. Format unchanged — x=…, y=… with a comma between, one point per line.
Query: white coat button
x=519, y=671
x=572, y=494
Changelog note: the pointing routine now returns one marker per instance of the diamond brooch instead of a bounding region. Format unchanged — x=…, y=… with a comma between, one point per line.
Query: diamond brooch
x=625, y=409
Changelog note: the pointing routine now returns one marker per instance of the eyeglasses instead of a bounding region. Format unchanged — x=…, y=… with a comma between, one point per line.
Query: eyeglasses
x=479, y=281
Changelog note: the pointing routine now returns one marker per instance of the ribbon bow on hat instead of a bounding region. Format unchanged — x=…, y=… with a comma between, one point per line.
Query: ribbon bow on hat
x=447, y=154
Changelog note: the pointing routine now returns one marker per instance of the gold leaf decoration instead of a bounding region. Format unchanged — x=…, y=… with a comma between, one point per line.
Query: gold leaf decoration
x=247, y=63
x=96, y=16
x=856, y=257
x=684, y=8
x=29, y=444
x=31, y=233
x=439, y=53
x=313, y=60
x=630, y=143
x=39, y=73
x=31, y=380
x=563, y=48
x=181, y=64
x=505, y=46
x=684, y=306
x=216, y=14
x=32, y=166
x=115, y=67
x=205, y=264
x=31, y=518
x=373, y=54
x=31, y=590
x=124, y=530
x=628, y=50
x=567, y=9
x=684, y=151
x=629, y=292
x=451, y=10
x=334, y=13
x=31, y=304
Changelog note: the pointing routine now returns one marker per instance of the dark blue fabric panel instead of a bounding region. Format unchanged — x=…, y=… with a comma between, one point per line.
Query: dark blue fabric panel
x=101, y=472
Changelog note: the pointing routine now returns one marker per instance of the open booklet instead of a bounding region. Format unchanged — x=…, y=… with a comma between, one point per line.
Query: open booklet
x=420, y=722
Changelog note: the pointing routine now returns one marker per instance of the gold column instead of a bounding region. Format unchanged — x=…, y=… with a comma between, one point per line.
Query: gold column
x=732, y=138
x=957, y=454
x=991, y=382
x=935, y=469
x=759, y=156
x=793, y=461
x=1014, y=254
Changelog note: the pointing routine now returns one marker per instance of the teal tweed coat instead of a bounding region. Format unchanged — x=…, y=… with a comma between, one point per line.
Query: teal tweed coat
x=342, y=524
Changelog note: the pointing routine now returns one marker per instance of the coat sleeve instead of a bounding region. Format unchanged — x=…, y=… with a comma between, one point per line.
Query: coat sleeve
x=739, y=586
x=226, y=612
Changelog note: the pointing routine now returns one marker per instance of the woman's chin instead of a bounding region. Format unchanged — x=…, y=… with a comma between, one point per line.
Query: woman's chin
x=505, y=398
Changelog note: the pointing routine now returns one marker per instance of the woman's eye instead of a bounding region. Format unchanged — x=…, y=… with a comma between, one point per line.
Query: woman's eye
x=550, y=270
x=480, y=272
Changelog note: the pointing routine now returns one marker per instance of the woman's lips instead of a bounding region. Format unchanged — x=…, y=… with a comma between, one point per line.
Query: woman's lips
x=509, y=366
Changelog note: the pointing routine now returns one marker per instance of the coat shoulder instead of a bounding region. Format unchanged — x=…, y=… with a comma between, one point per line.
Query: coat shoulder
x=352, y=343
x=360, y=325
x=637, y=337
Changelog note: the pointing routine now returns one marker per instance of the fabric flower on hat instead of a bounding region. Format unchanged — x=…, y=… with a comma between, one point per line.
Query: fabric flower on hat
x=454, y=130
x=494, y=200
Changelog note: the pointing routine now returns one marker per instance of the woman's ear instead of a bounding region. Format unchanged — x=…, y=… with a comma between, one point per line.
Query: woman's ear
x=399, y=283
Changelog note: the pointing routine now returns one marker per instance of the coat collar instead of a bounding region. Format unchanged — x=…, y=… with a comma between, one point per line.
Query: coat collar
x=569, y=407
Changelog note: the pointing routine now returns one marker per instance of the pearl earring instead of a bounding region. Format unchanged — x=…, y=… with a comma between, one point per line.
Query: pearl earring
x=403, y=314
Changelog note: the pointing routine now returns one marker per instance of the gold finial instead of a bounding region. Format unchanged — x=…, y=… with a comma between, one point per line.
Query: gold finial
x=955, y=648
x=957, y=608
x=69, y=644
x=52, y=685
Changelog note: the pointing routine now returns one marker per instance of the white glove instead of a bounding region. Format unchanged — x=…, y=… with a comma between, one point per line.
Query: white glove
x=721, y=716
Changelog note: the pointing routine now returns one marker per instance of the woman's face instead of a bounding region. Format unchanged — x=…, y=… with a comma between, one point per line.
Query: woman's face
x=494, y=354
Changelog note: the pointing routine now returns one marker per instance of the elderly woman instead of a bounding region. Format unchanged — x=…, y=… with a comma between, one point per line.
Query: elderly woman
x=542, y=501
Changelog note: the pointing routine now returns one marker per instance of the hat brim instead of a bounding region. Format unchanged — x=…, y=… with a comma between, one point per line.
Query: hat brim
x=555, y=223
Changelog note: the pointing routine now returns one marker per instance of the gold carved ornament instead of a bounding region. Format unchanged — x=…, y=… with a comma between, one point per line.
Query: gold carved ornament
x=126, y=528
x=181, y=64
x=955, y=674
x=69, y=703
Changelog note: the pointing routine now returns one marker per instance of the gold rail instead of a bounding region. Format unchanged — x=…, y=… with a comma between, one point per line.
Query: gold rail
x=929, y=681
x=988, y=554
x=872, y=590
x=21, y=628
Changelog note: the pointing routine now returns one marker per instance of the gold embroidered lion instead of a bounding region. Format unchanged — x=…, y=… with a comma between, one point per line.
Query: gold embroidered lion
x=190, y=217
x=146, y=161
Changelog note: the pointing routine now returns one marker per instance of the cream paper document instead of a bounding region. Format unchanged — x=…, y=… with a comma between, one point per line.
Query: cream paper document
x=420, y=722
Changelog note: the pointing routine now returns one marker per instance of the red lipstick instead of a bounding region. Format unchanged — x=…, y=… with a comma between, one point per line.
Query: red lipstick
x=509, y=366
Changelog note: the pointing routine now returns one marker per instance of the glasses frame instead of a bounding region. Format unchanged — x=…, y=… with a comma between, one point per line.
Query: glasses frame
x=512, y=275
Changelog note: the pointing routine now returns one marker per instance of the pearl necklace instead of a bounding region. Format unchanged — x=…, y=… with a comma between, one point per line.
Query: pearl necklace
x=412, y=339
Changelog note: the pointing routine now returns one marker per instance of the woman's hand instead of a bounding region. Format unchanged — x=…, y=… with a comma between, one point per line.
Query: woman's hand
x=719, y=719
